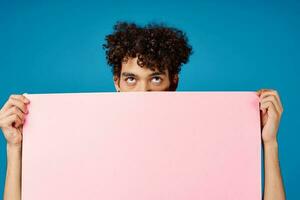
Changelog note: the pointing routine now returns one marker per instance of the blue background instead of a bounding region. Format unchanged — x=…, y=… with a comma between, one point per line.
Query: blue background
x=55, y=46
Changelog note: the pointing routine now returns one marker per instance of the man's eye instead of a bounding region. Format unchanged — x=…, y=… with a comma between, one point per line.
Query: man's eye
x=130, y=80
x=156, y=80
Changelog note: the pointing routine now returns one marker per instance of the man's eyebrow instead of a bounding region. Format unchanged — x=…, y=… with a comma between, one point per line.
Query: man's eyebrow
x=158, y=73
x=132, y=74
x=128, y=74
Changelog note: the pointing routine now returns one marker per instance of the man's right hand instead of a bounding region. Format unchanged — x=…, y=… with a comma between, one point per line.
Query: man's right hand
x=12, y=118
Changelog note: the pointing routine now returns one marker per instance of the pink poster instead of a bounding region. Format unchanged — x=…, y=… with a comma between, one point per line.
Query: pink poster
x=142, y=146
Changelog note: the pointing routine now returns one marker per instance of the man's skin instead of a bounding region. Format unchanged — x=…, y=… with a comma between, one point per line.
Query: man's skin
x=135, y=78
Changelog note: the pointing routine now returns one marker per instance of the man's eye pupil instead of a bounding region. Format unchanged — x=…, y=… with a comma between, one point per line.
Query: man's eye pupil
x=156, y=78
x=130, y=79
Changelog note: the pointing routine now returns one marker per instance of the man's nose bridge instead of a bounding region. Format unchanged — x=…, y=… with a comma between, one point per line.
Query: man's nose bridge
x=143, y=86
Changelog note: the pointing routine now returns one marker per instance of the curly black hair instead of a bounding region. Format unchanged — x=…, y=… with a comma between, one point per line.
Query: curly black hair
x=157, y=46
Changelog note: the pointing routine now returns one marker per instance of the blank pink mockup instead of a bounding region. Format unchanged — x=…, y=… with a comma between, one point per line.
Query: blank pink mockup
x=142, y=146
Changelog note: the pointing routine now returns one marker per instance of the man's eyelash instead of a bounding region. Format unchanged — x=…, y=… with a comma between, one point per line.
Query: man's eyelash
x=129, y=78
x=157, y=77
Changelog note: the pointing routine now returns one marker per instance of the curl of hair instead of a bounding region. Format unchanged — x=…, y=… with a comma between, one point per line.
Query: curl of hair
x=156, y=46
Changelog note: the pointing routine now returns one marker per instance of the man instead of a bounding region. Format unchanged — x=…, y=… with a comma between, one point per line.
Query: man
x=145, y=59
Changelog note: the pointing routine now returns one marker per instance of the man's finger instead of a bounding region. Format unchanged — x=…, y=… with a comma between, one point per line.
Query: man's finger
x=14, y=102
x=20, y=97
x=271, y=110
x=13, y=110
x=274, y=100
x=14, y=118
x=274, y=93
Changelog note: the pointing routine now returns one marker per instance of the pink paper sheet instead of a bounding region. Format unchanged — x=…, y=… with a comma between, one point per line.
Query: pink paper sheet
x=142, y=146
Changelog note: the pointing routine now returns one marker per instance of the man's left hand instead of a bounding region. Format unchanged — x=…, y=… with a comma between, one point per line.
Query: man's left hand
x=271, y=111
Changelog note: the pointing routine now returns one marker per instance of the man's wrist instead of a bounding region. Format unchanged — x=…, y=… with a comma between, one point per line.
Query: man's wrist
x=271, y=147
x=14, y=158
x=272, y=143
x=13, y=149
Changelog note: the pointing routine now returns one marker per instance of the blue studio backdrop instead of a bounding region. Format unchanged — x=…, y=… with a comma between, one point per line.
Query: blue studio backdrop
x=56, y=46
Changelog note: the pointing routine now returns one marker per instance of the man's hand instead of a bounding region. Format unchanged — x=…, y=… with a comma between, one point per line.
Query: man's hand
x=271, y=111
x=12, y=118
